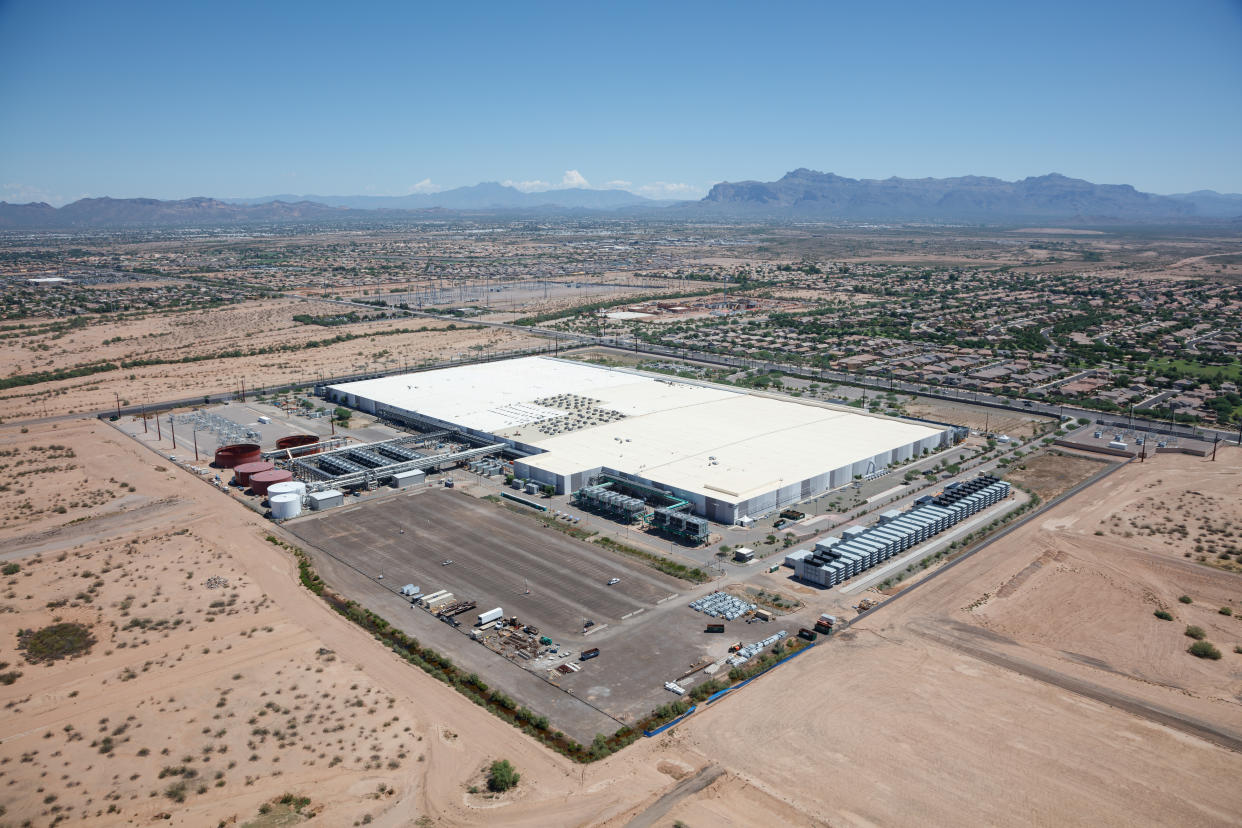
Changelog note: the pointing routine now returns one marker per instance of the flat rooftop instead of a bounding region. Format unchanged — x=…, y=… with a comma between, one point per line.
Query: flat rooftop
x=716, y=441
x=731, y=448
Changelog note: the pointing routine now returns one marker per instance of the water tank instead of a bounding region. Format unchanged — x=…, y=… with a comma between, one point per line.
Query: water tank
x=285, y=506
x=228, y=457
x=296, y=487
x=260, y=481
x=243, y=472
x=295, y=440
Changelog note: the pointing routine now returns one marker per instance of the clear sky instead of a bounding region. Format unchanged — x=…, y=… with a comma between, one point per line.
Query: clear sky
x=172, y=99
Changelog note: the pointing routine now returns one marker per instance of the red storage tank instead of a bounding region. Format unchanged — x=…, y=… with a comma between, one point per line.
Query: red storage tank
x=228, y=457
x=245, y=471
x=259, y=482
x=295, y=440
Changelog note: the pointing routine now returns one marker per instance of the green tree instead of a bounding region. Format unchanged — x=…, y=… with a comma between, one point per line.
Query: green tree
x=502, y=776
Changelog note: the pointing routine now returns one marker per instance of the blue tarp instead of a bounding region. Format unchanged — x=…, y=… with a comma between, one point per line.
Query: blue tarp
x=667, y=725
x=718, y=694
x=742, y=684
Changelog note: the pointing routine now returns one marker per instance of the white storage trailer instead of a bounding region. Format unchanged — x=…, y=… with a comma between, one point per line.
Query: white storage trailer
x=490, y=616
x=443, y=601
x=427, y=599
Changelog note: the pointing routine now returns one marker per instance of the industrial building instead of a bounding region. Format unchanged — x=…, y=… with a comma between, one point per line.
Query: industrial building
x=682, y=446
x=837, y=559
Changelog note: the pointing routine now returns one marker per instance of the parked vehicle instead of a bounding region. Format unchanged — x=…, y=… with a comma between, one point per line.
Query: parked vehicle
x=614, y=581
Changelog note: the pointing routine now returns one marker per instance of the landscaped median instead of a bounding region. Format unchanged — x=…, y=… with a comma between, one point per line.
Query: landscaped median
x=665, y=565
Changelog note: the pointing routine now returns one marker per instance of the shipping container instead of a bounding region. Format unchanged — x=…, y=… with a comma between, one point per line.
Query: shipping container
x=490, y=615
x=591, y=653
x=715, y=628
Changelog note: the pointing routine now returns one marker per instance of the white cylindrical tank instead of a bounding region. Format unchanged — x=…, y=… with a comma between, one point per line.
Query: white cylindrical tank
x=296, y=487
x=285, y=505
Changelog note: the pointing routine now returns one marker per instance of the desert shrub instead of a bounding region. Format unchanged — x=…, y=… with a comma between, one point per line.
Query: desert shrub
x=1196, y=633
x=1203, y=649
x=1163, y=615
x=1186, y=599
x=1226, y=611
x=11, y=569
x=502, y=776
x=64, y=640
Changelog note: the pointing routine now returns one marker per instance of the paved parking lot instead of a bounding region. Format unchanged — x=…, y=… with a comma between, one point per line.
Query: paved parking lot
x=645, y=632
x=499, y=559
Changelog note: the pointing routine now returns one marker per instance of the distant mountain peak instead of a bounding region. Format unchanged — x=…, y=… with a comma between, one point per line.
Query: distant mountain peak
x=964, y=198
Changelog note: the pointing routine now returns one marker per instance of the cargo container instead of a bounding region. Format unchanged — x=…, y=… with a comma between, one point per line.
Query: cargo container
x=490, y=615
x=809, y=635
x=437, y=603
x=714, y=628
x=763, y=615
x=588, y=654
x=427, y=600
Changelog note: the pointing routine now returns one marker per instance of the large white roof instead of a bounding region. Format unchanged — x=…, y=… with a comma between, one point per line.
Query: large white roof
x=730, y=448
x=716, y=441
x=493, y=396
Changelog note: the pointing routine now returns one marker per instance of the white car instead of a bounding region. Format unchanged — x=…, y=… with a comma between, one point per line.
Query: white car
x=614, y=581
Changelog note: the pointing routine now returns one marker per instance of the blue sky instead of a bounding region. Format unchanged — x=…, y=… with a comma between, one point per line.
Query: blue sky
x=174, y=99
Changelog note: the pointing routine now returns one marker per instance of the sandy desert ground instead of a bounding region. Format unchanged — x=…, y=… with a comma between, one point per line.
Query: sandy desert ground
x=1029, y=684
x=267, y=324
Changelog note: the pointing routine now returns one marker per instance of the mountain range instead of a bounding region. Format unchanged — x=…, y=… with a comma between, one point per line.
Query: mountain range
x=801, y=193
x=806, y=192
x=486, y=196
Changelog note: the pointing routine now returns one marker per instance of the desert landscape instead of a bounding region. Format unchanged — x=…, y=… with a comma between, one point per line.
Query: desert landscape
x=212, y=350
x=1039, y=666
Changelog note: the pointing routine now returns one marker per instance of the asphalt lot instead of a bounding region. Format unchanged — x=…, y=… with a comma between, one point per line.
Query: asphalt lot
x=497, y=557
x=644, y=630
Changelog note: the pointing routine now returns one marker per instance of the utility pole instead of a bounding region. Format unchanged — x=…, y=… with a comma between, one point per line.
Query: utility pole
x=1214, y=443
x=158, y=435
x=243, y=387
x=196, y=445
x=118, y=405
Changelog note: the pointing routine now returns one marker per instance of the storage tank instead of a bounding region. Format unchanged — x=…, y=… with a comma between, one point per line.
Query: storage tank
x=297, y=487
x=259, y=482
x=243, y=472
x=285, y=506
x=295, y=440
x=228, y=457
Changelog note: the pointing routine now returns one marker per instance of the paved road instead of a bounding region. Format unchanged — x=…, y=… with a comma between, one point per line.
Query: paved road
x=686, y=787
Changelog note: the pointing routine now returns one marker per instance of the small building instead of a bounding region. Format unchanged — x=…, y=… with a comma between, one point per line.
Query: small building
x=405, y=479
x=743, y=555
x=326, y=499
